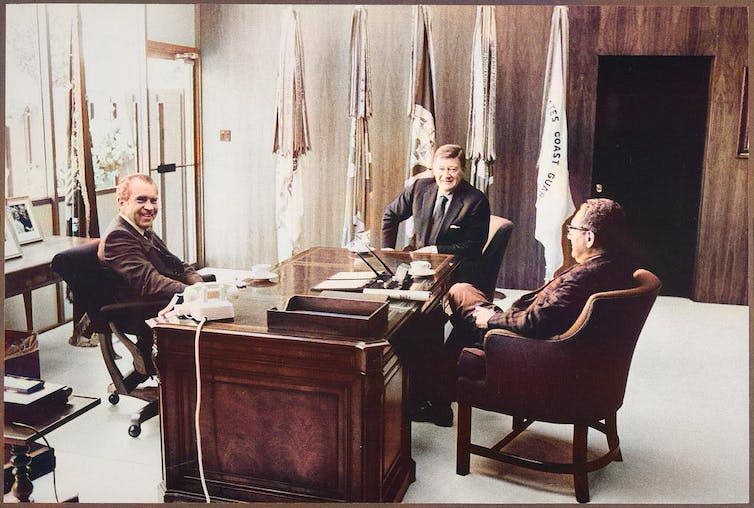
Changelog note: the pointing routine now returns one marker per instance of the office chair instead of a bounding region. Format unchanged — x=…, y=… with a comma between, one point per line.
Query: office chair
x=91, y=288
x=577, y=378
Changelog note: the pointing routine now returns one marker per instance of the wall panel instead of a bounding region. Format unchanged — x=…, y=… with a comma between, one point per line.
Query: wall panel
x=239, y=51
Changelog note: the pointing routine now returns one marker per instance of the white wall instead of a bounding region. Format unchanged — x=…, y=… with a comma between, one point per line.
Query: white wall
x=173, y=23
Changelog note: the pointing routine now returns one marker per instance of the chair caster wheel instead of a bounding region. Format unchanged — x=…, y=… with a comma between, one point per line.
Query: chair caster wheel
x=134, y=430
x=113, y=398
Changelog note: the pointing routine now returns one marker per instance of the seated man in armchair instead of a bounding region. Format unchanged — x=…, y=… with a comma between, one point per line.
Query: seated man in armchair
x=597, y=237
x=596, y=234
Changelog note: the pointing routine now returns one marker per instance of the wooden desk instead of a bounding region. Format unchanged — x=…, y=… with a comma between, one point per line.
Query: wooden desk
x=32, y=270
x=290, y=416
x=20, y=437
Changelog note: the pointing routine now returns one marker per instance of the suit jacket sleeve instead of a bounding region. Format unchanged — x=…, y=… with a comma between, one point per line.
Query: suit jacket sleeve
x=552, y=310
x=395, y=213
x=474, y=228
x=126, y=256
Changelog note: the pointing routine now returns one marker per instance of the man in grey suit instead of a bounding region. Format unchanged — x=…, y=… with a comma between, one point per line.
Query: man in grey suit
x=450, y=216
x=150, y=272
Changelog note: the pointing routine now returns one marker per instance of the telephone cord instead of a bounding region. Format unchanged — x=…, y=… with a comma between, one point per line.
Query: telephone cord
x=198, y=407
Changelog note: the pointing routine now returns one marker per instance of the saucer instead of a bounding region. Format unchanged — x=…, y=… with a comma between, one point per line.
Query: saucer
x=269, y=276
x=360, y=249
x=421, y=273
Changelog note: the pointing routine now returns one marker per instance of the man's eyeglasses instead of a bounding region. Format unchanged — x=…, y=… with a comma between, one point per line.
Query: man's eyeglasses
x=576, y=228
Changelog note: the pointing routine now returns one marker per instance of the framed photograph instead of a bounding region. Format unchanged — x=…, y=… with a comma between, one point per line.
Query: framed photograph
x=12, y=249
x=21, y=218
x=743, y=129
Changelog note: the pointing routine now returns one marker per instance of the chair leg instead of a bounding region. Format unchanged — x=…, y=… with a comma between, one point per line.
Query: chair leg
x=613, y=442
x=580, y=478
x=108, y=355
x=463, y=439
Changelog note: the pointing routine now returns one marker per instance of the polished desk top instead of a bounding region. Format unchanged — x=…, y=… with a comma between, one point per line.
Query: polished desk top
x=32, y=269
x=298, y=274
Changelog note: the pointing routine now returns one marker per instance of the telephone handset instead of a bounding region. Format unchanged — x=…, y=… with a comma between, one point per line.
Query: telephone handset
x=402, y=276
x=203, y=300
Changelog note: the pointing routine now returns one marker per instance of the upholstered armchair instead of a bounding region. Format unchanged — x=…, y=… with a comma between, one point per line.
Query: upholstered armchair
x=577, y=378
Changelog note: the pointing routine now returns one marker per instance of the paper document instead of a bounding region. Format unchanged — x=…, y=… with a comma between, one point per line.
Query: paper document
x=352, y=276
x=400, y=294
x=343, y=285
x=354, y=296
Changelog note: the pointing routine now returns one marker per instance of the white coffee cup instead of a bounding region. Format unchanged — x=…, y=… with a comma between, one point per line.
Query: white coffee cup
x=421, y=266
x=260, y=270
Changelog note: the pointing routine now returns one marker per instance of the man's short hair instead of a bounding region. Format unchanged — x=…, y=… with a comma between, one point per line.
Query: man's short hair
x=123, y=191
x=450, y=152
x=607, y=220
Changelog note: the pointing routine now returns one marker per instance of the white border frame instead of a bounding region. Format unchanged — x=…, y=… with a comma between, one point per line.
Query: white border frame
x=12, y=248
x=24, y=236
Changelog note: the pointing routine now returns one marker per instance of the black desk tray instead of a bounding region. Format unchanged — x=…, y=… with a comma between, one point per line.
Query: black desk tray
x=331, y=316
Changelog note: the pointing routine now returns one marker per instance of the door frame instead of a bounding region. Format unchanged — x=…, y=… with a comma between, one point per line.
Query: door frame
x=167, y=51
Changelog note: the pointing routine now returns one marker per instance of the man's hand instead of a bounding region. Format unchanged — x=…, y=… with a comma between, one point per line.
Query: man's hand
x=429, y=249
x=482, y=316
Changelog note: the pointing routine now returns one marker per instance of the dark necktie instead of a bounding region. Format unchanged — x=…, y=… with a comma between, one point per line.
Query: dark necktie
x=437, y=216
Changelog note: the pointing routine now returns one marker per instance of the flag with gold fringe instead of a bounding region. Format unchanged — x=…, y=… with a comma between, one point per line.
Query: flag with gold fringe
x=421, y=109
x=358, y=178
x=78, y=180
x=291, y=136
x=480, y=141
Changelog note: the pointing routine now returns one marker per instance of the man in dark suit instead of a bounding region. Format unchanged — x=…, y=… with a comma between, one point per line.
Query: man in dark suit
x=150, y=272
x=450, y=216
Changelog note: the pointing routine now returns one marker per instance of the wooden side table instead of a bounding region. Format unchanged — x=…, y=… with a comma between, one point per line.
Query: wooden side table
x=21, y=436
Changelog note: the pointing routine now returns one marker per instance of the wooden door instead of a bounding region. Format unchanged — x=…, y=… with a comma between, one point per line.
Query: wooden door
x=650, y=132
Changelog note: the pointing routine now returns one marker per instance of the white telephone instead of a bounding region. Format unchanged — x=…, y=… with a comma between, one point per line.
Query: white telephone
x=204, y=300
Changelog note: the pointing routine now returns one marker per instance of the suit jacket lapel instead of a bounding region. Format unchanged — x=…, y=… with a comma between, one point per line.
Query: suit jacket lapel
x=426, y=208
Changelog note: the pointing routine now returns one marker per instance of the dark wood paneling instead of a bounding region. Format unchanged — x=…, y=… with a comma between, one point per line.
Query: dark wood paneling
x=240, y=47
x=523, y=33
x=719, y=32
x=722, y=253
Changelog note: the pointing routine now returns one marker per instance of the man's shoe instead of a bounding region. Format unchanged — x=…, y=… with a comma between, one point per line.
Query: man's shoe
x=439, y=414
x=421, y=412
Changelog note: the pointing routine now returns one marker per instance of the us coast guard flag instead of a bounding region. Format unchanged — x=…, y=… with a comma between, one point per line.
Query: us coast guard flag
x=554, y=201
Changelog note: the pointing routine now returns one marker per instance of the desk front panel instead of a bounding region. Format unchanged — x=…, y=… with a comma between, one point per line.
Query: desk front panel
x=284, y=420
x=291, y=416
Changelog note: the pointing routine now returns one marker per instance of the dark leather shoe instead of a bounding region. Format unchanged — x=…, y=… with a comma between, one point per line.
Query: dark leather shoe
x=439, y=414
x=443, y=415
